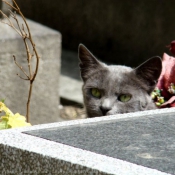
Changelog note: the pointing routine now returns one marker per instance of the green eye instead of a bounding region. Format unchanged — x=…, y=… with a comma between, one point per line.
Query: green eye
x=96, y=92
x=125, y=97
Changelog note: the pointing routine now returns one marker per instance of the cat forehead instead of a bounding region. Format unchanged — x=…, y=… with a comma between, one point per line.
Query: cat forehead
x=117, y=72
x=111, y=74
x=119, y=69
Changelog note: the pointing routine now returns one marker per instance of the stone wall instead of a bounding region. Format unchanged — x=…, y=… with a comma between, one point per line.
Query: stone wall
x=125, y=32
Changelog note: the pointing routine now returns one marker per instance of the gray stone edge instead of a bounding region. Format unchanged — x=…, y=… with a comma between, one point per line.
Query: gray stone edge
x=117, y=117
x=14, y=138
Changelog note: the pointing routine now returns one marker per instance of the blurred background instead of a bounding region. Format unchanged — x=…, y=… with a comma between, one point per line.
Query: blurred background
x=118, y=31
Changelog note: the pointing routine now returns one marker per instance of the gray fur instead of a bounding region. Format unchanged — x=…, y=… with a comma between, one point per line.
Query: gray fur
x=114, y=81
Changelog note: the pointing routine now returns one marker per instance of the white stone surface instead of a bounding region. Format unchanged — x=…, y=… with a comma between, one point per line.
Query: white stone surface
x=71, y=89
x=70, y=81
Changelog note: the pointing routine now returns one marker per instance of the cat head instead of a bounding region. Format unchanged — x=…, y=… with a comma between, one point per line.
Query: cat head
x=109, y=90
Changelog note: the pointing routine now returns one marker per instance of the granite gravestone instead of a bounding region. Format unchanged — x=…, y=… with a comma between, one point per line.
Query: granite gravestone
x=148, y=141
x=46, y=84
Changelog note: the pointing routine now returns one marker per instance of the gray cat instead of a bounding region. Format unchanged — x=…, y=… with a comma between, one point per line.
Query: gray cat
x=109, y=90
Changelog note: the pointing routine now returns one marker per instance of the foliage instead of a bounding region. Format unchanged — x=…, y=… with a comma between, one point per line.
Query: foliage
x=10, y=120
x=164, y=93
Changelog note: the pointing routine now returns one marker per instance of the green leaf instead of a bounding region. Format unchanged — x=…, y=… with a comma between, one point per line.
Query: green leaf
x=2, y=100
x=3, y=124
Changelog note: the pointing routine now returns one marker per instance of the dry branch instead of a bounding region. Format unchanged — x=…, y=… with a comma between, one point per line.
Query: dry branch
x=24, y=31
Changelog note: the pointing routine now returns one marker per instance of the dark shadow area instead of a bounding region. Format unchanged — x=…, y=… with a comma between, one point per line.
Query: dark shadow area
x=124, y=32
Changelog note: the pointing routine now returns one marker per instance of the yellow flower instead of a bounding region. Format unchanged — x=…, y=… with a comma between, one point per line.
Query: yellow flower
x=10, y=120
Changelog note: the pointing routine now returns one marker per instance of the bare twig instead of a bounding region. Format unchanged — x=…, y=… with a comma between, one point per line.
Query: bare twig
x=10, y=5
x=24, y=31
x=20, y=67
x=22, y=77
x=10, y=23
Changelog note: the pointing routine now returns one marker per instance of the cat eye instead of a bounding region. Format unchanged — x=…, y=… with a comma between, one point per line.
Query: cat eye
x=95, y=92
x=124, y=97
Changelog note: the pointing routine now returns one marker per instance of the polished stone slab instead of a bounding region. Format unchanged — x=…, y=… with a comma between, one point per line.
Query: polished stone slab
x=122, y=144
x=147, y=140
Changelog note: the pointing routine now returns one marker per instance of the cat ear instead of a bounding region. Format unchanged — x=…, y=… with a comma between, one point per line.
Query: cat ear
x=88, y=62
x=149, y=72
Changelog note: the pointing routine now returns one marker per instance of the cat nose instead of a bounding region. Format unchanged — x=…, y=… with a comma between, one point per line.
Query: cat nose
x=104, y=110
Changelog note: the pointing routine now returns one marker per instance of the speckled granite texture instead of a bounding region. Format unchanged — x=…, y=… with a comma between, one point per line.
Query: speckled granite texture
x=146, y=141
x=25, y=162
x=25, y=154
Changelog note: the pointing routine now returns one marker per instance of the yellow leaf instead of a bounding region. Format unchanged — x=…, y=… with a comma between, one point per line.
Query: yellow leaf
x=17, y=121
x=3, y=125
x=10, y=120
x=5, y=109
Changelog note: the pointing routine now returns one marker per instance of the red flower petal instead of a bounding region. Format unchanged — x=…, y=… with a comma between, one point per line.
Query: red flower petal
x=167, y=75
x=169, y=103
x=172, y=47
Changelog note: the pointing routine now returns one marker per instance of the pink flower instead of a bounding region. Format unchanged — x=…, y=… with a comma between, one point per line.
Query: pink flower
x=166, y=80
